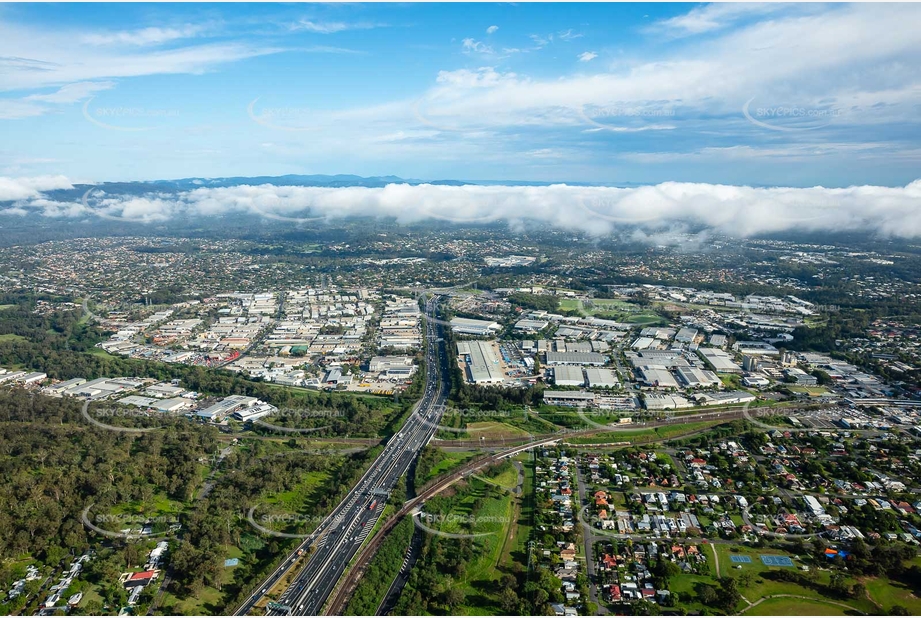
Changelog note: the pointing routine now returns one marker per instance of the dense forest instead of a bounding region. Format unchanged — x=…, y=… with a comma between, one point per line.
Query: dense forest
x=55, y=464
x=537, y=302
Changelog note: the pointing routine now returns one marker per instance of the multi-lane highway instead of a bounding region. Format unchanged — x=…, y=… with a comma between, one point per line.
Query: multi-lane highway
x=342, y=533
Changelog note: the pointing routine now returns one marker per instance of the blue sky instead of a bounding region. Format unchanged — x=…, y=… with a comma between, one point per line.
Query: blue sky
x=756, y=94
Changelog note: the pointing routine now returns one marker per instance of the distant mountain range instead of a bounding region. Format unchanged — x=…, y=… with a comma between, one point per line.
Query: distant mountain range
x=344, y=180
x=306, y=180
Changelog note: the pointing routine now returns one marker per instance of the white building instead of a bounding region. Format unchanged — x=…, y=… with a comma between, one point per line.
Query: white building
x=598, y=377
x=467, y=326
x=174, y=404
x=576, y=358
x=568, y=375
x=572, y=399
x=813, y=505
x=384, y=363
x=654, y=401
x=697, y=378
x=719, y=360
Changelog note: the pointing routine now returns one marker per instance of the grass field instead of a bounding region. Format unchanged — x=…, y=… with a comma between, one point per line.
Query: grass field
x=887, y=593
x=11, y=337
x=514, y=546
x=448, y=461
x=795, y=607
x=307, y=493
x=619, y=309
x=91, y=594
x=100, y=352
x=495, y=516
x=205, y=602
x=507, y=479
x=761, y=587
x=646, y=319
x=517, y=551
x=160, y=510
x=685, y=586
x=571, y=304
x=814, y=391
x=493, y=430
x=642, y=435
x=2, y=307
x=534, y=423
x=295, y=511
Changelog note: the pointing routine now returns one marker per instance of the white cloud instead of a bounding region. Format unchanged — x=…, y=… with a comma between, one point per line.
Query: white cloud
x=474, y=46
x=58, y=210
x=492, y=29
x=71, y=93
x=567, y=35
x=39, y=104
x=484, y=77
x=734, y=210
x=40, y=58
x=544, y=153
x=587, y=56
x=12, y=189
x=143, y=36
x=330, y=27
x=540, y=41
x=15, y=109
x=804, y=61
x=716, y=16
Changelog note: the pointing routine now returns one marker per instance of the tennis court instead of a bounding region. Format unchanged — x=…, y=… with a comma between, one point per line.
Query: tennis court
x=740, y=559
x=780, y=561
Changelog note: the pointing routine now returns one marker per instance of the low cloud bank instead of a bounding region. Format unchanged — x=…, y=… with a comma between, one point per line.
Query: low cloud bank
x=12, y=189
x=734, y=210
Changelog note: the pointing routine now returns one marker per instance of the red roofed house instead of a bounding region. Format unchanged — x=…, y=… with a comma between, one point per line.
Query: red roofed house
x=141, y=578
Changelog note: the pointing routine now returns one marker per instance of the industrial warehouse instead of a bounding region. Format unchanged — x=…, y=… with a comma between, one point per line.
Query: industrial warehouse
x=480, y=361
